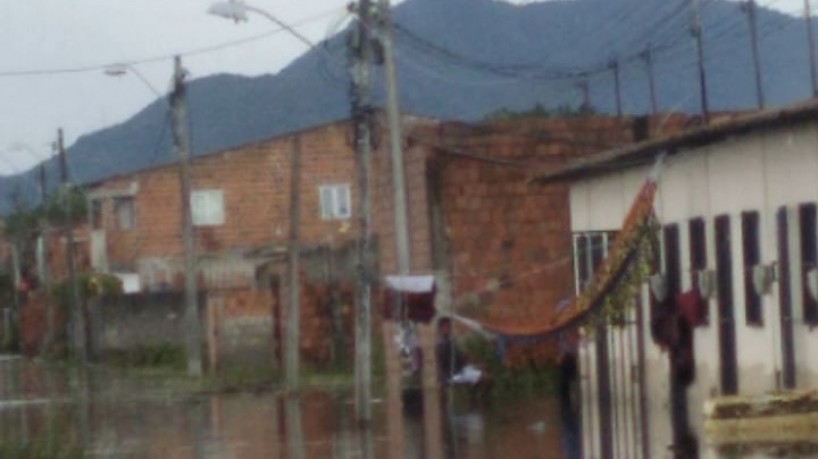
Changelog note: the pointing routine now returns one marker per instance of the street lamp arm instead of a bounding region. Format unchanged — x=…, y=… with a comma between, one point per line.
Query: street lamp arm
x=237, y=11
x=122, y=69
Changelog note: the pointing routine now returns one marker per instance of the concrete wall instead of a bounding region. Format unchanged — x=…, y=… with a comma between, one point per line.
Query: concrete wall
x=762, y=172
x=126, y=322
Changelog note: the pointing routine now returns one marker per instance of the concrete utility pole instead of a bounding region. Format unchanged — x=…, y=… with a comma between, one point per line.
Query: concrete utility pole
x=181, y=143
x=361, y=53
x=811, y=47
x=395, y=141
x=77, y=312
x=614, y=65
x=647, y=56
x=749, y=7
x=400, y=214
x=696, y=30
x=291, y=360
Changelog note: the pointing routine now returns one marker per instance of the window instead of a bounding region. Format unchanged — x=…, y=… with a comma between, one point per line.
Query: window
x=334, y=201
x=589, y=250
x=125, y=213
x=207, y=207
x=752, y=257
x=809, y=258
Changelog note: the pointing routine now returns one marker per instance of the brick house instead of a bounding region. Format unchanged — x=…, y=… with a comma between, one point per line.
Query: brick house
x=240, y=202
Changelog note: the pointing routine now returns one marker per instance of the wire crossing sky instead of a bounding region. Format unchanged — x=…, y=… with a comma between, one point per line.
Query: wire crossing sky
x=53, y=69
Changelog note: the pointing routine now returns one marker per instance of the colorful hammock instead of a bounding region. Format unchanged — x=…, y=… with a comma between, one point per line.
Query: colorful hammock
x=622, y=257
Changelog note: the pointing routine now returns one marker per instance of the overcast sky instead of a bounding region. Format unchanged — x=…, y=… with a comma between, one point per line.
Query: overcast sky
x=49, y=35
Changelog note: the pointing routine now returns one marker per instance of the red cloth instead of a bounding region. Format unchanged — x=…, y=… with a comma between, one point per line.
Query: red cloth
x=691, y=306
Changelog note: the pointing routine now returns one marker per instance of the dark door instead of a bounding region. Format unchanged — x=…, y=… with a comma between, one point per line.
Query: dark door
x=727, y=328
x=603, y=375
x=785, y=300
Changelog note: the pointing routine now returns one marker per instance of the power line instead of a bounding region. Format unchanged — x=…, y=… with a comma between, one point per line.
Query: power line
x=164, y=57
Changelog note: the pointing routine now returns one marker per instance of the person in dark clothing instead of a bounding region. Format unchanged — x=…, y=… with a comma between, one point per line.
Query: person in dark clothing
x=449, y=359
x=568, y=373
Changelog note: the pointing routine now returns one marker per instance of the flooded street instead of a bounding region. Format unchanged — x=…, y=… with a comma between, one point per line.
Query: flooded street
x=111, y=417
x=99, y=414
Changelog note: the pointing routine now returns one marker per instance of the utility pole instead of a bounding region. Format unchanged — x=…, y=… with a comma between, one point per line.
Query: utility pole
x=614, y=65
x=696, y=30
x=647, y=56
x=811, y=47
x=291, y=360
x=400, y=214
x=361, y=54
x=181, y=143
x=395, y=141
x=77, y=312
x=749, y=7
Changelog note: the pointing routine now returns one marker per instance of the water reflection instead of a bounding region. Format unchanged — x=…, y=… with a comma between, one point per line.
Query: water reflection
x=111, y=417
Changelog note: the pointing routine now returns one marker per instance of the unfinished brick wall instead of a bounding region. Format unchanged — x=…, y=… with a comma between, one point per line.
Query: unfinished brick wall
x=505, y=244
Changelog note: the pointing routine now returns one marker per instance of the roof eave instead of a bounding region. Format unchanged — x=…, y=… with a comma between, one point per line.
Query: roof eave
x=646, y=152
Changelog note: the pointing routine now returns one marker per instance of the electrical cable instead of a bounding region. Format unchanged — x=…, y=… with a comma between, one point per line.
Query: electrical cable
x=163, y=57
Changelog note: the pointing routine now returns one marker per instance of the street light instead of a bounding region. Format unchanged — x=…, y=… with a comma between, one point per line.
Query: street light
x=237, y=11
x=118, y=70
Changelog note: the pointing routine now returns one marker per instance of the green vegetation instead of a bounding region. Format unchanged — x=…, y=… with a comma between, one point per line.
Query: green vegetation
x=90, y=285
x=40, y=449
x=8, y=341
x=167, y=356
x=37, y=449
x=509, y=383
x=24, y=225
x=68, y=206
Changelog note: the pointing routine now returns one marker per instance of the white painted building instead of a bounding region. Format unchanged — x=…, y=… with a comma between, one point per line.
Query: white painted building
x=737, y=202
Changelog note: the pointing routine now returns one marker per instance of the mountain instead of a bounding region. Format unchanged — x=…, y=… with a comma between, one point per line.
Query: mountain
x=462, y=59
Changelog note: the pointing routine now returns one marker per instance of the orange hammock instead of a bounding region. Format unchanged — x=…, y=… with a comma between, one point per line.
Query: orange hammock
x=621, y=257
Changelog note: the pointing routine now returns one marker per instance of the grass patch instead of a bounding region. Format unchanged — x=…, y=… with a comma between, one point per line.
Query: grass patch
x=40, y=449
x=510, y=383
x=166, y=356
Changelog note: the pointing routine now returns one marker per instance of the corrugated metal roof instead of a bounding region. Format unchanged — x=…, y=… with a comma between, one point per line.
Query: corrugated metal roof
x=646, y=152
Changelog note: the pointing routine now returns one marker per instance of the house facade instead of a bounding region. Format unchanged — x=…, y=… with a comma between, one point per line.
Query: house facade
x=736, y=205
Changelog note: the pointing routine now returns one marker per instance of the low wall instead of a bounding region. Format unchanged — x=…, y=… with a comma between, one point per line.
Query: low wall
x=125, y=322
x=240, y=328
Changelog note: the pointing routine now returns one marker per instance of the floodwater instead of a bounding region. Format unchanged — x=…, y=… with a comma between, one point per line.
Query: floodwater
x=112, y=417
x=107, y=416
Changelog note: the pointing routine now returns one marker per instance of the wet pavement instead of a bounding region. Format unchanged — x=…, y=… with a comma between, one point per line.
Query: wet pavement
x=109, y=416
